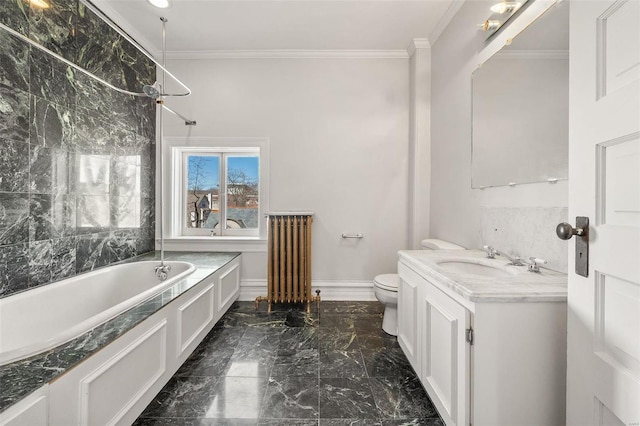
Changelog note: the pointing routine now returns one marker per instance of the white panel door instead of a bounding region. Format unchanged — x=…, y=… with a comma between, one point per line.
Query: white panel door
x=603, y=347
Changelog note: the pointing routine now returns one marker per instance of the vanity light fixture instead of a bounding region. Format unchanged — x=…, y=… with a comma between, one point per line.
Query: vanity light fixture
x=40, y=4
x=506, y=7
x=491, y=25
x=500, y=14
x=162, y=4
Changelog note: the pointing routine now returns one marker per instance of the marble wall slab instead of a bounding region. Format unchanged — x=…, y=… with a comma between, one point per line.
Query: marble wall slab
x=77, y=160
x=527, y=232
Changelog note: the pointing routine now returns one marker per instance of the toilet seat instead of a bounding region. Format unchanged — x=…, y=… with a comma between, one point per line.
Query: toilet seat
x=387, y=282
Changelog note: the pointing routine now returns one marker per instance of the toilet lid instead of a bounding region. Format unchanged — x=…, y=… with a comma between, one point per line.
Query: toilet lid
x=387, y=281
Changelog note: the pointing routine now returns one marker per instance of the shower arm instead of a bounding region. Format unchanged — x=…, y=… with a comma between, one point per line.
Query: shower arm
x=187, y=122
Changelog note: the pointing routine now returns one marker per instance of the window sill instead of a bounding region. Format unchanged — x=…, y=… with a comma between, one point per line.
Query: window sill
x=204, y=243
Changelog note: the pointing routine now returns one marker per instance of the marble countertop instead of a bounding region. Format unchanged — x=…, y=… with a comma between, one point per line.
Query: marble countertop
x=519, y=286
x=19, y=379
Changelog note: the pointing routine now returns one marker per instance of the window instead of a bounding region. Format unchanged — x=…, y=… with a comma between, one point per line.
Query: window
x=220, y=191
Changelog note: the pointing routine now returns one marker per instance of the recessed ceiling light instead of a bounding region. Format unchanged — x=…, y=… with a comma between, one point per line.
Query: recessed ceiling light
x=163, y=4
x=41, y=4
x=505, y=7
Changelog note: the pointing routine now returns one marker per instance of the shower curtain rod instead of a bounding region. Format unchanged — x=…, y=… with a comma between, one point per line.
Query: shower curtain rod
x=88, y=73
x=137, y=45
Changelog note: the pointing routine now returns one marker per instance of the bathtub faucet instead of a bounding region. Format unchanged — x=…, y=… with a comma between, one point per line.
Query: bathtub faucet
x=162, y=271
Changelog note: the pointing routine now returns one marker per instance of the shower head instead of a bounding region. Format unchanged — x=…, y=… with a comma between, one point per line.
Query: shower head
x=152, y=91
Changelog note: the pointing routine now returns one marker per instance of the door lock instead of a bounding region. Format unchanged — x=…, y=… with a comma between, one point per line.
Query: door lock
x=565, y=231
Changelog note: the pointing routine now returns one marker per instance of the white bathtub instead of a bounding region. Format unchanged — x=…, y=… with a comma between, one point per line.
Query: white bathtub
x=37, y=320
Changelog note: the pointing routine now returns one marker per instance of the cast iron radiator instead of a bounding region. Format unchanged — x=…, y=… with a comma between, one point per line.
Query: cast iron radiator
x=289, y=260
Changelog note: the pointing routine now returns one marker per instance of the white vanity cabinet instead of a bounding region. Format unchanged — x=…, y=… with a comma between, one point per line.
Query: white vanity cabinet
x=484, y=359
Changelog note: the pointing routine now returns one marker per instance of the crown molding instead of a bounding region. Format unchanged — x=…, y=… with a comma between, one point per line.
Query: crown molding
x=454, y=7
x=418, y=43
x=287, y=54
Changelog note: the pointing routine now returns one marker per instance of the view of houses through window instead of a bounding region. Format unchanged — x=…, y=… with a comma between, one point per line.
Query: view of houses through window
x=222, y=187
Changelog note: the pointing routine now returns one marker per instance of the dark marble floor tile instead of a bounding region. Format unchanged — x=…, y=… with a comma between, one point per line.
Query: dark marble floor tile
x=204, y=363
x=14, y=166
x=255, y=352
x=336, y=339
x=259, y=319
x=294, y=339
x=412, y=422
x=267, y=338
x=387, y=362
x=336, y=363
x=344, y=398
x=303, y=363
x=237, y=398
x=184, y=421
x=183, y=397
x=351, y=307
x=291, y=398
x=349, y=422
x=399, y=398
x=222, y=339
x=373, y=342
x=342, y=322
x=250, y=363
x=368, y=324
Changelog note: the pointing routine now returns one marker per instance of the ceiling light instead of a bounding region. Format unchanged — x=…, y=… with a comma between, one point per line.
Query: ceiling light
x=41, y=4
x=163, y=4
x=506, y=7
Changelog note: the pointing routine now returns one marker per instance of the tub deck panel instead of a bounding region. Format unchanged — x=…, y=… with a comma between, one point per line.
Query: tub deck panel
x=21, y=378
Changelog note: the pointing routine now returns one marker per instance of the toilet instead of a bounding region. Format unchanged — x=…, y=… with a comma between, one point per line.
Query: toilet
x=385, y=287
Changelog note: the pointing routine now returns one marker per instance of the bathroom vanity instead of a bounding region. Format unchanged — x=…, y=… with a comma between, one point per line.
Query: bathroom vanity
x=486, y=339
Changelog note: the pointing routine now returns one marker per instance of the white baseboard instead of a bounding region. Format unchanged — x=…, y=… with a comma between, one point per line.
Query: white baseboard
x=329, y=290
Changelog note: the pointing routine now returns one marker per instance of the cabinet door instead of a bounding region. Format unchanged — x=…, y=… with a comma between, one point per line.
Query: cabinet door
x=408, y=314
x=445, y=355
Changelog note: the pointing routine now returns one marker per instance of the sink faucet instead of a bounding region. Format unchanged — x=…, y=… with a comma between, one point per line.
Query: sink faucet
x=534, y=266
x=492, y=253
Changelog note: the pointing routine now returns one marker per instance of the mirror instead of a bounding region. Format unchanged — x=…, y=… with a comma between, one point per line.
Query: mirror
x=520, y=106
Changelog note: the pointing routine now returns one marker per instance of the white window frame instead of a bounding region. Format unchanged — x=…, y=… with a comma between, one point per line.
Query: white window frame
x=176, y=151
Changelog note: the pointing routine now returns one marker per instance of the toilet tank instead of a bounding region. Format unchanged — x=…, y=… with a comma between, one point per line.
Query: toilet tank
x=434, y=244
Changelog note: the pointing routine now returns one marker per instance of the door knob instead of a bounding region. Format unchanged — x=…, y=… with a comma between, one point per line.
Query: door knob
x=565, y=231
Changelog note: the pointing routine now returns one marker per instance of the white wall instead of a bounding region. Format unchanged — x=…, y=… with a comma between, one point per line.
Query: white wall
x=458, y=213
x=338, y=131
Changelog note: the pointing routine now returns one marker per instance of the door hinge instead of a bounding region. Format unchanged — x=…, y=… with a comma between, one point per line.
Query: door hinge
x=469, y=334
